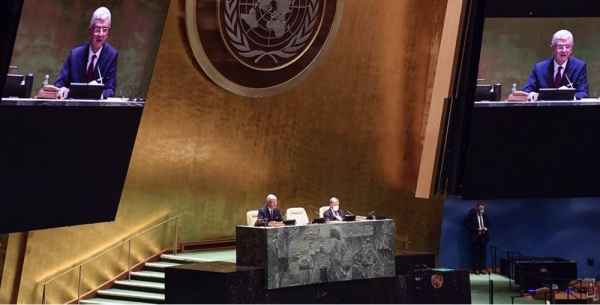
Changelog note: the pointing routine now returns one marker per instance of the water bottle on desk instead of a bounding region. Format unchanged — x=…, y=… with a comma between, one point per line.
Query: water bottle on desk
x=514, y=88
x=45, y=82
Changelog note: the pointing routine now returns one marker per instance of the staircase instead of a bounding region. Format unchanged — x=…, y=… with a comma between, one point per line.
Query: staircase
x=145, y=287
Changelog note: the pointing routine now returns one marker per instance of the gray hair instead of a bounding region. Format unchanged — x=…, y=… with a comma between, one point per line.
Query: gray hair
x=271, y=197
x=333, y=199
x=100, y=13
x=562, y=34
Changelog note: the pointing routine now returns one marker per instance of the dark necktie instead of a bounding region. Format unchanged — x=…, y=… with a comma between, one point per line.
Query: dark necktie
x=272, y=215
x=558, y=77
x=90, y=71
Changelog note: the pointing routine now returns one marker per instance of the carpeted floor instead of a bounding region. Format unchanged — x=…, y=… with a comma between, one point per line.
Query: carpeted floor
x=502, y=293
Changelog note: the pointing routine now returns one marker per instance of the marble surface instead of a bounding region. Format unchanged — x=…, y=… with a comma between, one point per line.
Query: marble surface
x=111, y=102
x=409, y=261
x=583, y=102
x=222, y=282
x=213, y=282
x=332, y=252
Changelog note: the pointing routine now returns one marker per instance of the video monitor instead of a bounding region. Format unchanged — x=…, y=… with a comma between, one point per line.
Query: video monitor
x=85, y=91
x=517, y=48
x=517, y=147
x=556, y=94
x=64, y=161
x=56, y=41
x=18, y=86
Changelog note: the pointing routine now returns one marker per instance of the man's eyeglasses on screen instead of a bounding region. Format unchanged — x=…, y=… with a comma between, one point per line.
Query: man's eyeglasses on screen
x=100, y=30
x=563, y=47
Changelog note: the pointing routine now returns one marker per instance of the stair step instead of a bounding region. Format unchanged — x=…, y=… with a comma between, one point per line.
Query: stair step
x=141, y=284
x=178, y=258
x=130, y=294
x=161, y=264
x=149, y=274
x=109, y=301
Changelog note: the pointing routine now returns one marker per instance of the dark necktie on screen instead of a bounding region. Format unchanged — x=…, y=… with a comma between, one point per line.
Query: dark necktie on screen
x=272, y=215
x=558, y=77
x=90, y=71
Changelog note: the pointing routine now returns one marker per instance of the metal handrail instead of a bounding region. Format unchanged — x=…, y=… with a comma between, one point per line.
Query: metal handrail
x=128, y=240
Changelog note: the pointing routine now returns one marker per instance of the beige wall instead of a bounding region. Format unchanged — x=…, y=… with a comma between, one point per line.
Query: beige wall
x=353, y=129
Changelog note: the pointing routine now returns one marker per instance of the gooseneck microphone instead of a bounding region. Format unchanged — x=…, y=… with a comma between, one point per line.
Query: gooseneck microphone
x=567, y=77
x=350, y=213
x=314, y=210
x=99, y=74
x=370, y=215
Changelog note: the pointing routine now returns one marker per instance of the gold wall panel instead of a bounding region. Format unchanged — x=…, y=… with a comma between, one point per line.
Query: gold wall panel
x=353, y=129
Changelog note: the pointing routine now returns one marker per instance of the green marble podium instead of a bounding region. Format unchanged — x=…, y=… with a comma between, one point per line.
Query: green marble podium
x=319, y=253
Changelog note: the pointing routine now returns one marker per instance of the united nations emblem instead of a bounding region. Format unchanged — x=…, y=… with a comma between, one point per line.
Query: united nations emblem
x=269, y=35
x=266, y=46
x=437, y=281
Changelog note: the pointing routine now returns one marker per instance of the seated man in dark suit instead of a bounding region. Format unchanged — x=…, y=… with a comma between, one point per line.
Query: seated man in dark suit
x=94, y=61
x=270, y=212
x=334, y=212
x=561, y=70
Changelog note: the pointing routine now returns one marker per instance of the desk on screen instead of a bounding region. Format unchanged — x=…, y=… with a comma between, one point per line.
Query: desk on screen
x=110, y=102
x=582, y=102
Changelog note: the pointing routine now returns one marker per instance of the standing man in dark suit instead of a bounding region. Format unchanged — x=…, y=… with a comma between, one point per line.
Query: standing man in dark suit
x=479, y=225
x=270, y=212
x=92, y=62
x=562, y=70
x=334, y=212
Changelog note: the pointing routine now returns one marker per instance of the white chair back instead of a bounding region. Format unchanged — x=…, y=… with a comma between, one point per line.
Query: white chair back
x=322, y=210
x=297, y=213
x=251, y=217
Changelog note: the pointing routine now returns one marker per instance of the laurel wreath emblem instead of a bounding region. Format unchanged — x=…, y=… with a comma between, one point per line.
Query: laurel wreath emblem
x=240, y=42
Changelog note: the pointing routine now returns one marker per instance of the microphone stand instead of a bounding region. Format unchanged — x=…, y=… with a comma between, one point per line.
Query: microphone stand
x=319, y=219
x=313, y=209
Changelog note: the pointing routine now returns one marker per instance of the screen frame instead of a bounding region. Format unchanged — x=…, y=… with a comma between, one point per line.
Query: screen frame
x=60, y=166
x=10, y=14
x=455, y=172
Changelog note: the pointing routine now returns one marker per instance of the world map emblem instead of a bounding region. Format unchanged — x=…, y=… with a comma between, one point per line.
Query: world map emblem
x=260, y=48
x=269, y=34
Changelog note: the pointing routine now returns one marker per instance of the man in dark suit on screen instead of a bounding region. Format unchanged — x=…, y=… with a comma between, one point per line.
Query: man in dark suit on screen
x=93, y=62
x=560, y=71
x=479, y=226
x=270, y=212
x=334, y=212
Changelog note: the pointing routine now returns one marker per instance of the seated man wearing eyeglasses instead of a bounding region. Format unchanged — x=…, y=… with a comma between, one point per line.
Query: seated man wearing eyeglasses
x=92, y=62
x=561, y=70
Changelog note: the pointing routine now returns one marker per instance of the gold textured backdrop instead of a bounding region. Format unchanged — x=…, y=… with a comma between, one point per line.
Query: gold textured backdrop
x=353, y=129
